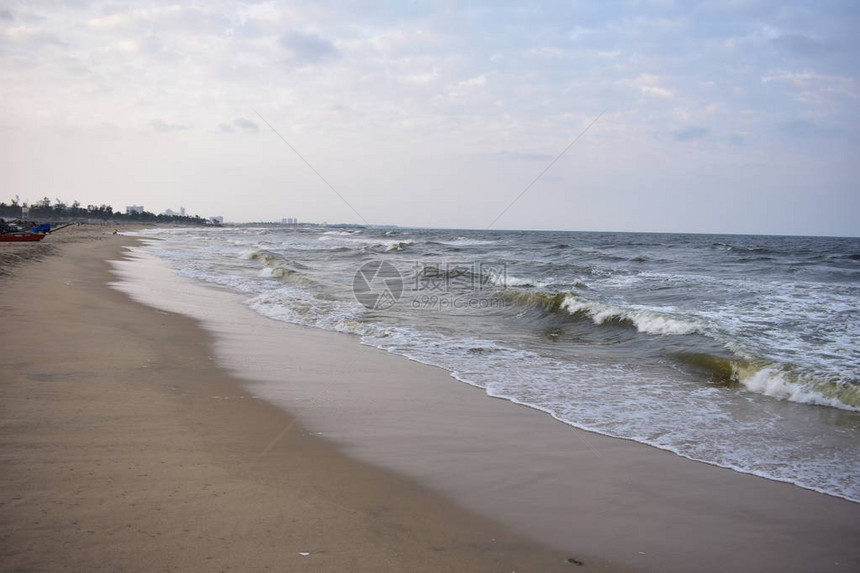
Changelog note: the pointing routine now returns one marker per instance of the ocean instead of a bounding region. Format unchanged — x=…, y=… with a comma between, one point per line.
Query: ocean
x=738, y=351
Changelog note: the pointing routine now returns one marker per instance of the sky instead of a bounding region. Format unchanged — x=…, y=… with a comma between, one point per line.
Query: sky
x=729, y=116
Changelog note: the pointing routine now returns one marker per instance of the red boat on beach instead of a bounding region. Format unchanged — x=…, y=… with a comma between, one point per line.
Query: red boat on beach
x=21, y=237
x=21, y=232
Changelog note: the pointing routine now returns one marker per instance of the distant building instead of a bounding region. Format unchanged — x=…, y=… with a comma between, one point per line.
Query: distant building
x=172, y=213
x=134, y=209
x=216, y=220
x=290, y=221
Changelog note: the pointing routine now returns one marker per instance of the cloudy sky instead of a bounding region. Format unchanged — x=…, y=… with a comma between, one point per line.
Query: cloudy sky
x=717, y=116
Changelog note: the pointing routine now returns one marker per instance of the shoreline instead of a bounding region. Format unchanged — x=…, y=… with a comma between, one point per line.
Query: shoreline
x=575, y=490
x=125, y=448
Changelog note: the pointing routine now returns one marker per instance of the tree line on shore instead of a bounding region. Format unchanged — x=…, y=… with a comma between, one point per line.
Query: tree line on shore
x=60, y=210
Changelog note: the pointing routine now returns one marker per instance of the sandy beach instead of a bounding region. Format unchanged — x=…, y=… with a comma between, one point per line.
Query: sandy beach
x=130, y=443
x=116, y=457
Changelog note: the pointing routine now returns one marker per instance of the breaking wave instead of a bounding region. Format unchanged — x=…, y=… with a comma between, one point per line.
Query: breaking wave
x=771, y=379
x=734, y=368
x=779, y=381
x=645, y=321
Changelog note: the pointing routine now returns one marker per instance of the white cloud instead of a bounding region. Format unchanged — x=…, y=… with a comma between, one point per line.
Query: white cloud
x=476, y=81
x=128, y=46
x=111, y=22
x=400, y=41
x=17, y=33
x=802, y=80
x=466, y=88
x=817, y=89
x=650, y=85
x=421, y=79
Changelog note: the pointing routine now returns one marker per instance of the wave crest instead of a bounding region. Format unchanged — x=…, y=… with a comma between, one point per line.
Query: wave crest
x=645, y=321
x=779, y=382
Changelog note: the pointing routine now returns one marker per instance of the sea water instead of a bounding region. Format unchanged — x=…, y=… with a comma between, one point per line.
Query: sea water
x=738, y=351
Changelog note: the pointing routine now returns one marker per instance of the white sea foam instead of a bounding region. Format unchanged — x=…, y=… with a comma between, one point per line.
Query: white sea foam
x=464, y=242
x=273, y=272
x=396, y=245
x=349, y=239
x=297, y=306
x=774, y=381
x=645, y=321
x=503, y=280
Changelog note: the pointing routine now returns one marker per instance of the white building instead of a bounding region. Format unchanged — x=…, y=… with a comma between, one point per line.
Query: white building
x=172, y=213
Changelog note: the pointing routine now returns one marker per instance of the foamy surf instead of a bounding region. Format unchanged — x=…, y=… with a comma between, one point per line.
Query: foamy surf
x=778, y=382
x=645, y=321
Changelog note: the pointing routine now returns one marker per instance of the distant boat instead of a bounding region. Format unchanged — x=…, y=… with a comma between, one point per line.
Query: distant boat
x=14, y=234
x=21, y=237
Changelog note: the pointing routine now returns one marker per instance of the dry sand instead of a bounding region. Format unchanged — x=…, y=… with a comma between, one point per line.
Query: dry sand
x=116, y=457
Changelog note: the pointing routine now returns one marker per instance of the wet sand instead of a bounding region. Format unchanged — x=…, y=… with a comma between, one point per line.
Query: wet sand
x=124, y=448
